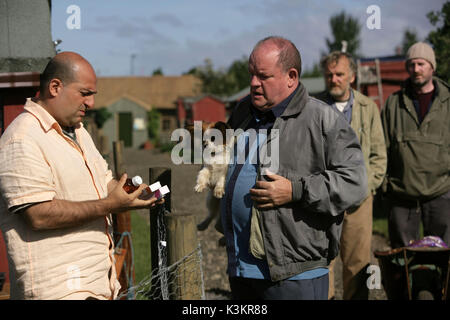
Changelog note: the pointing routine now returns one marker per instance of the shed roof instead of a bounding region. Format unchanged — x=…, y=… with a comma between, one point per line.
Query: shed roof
x=192, y=100
x=158, y=91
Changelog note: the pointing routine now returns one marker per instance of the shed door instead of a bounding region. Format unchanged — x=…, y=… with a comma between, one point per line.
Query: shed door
x=126, y=128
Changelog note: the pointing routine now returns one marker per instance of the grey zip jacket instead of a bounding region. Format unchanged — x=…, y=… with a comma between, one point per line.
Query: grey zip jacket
x=320, y=154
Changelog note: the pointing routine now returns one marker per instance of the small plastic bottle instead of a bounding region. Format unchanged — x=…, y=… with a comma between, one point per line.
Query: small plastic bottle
x=133, y=183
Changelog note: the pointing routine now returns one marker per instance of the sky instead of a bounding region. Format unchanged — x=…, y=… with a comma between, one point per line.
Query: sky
x=135, y=37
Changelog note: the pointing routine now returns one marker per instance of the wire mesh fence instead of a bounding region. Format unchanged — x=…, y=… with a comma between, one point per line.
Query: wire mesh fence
x=181, y=280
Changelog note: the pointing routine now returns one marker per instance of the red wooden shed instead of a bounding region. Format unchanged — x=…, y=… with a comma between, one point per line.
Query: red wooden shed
x=389, y=70
x=207, y=108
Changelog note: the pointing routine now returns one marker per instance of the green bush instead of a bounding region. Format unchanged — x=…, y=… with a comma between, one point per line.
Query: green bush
x=153, y=119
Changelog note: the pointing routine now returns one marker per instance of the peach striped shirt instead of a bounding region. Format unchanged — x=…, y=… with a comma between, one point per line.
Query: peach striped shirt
x=38, y=162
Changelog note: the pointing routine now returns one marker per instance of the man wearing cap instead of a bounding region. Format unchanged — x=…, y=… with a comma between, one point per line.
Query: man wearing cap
x=416, y=121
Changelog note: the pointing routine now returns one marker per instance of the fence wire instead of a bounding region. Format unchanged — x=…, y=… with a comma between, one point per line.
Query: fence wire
x=181, y=280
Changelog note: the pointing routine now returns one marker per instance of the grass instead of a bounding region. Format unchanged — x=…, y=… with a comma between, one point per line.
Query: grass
x=380, y=219
x=380, y=226
x=140, y=232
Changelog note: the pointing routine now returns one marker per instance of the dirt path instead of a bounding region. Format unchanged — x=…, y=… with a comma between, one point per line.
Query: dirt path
x=185, y=200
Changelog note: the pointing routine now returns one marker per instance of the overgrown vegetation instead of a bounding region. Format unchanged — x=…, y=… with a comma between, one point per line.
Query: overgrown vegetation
x=223, y=82
x=100, y=116
x=440, y=39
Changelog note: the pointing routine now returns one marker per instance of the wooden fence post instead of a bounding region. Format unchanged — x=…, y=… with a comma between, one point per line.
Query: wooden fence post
x=118, y=158
x=181, y=241
x=122, y=225
x=186, y=281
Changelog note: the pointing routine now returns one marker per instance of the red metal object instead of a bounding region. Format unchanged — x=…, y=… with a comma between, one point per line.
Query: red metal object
x=3, y=258
x=15, y=88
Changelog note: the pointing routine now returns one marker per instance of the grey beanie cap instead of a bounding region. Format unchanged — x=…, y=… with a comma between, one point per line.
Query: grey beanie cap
x=421, y=50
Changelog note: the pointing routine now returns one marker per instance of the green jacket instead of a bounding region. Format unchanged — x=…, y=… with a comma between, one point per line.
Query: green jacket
x=366, y=123
x=418, y=153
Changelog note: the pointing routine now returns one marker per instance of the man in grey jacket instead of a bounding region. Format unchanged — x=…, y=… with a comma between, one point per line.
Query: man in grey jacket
x=282, y=226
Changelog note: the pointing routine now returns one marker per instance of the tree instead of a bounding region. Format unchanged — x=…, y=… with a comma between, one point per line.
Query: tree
x=100, y=116
x=238, y=75
x=315, y=72
x=440, y=39
x=344, y=28
x=158, y=72
x=211, y=80
x=223, y=82
x=409, y=38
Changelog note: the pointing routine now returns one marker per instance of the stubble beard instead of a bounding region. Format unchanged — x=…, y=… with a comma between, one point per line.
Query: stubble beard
x=337, y=93
x=420, y=84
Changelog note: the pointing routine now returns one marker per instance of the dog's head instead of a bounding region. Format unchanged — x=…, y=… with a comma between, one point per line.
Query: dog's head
x=215, y=133
x=214, y=140
x=216, y=147
x=207, y=134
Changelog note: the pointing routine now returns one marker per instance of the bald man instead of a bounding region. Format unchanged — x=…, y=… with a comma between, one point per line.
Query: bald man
x=58, y=193
x=282, y=225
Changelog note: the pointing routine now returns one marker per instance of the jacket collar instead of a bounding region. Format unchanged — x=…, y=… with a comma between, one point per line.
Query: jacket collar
x=275, y=111
x=358, y=98
x=298, y=101
x=442, y=89
x=242, y=115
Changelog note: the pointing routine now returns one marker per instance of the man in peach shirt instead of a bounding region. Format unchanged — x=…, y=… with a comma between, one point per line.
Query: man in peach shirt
x=58, y=193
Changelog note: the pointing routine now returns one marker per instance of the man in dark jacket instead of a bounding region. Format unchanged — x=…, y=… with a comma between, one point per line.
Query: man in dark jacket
x=416, y=123
x=282, y=225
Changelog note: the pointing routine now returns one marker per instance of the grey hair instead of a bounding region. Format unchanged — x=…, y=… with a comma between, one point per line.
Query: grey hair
x=335, y=56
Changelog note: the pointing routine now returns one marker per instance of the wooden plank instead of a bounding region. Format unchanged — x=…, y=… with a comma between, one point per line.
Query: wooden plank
x=122, y=225
x=181, y=242
x=4, y=294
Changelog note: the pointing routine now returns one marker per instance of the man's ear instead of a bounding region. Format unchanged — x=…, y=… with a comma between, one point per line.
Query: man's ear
x=293, y=77
x=54, y=87
x=352, y=77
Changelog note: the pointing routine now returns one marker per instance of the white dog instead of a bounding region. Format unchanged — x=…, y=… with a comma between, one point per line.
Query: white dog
x=217, y=153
